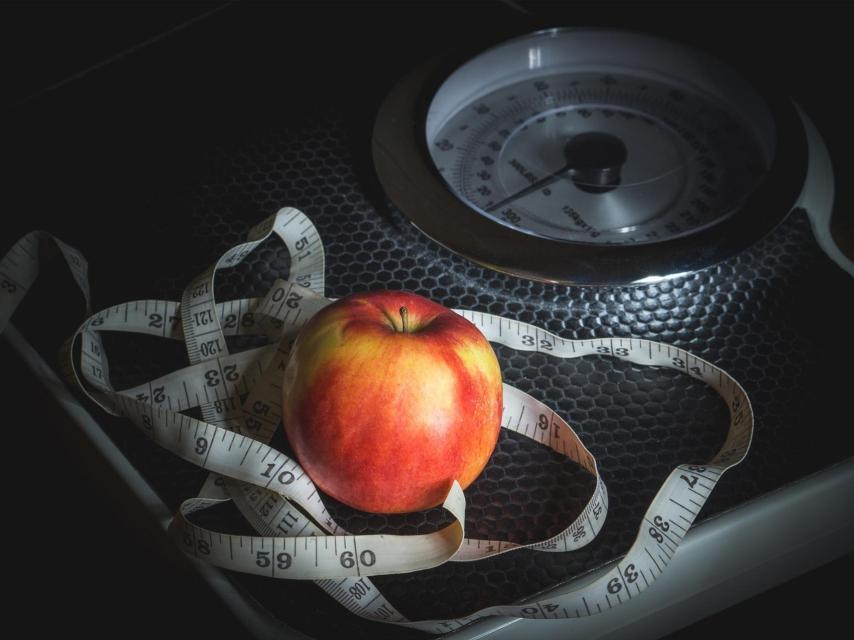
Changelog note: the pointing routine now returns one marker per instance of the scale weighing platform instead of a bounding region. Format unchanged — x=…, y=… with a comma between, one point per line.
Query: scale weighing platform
x=614, y=181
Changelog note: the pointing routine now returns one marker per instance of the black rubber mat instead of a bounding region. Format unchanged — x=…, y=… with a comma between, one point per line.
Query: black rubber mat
x=745, y=315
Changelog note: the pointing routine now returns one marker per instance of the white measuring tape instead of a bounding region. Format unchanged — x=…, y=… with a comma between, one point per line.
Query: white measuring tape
x=239, y=396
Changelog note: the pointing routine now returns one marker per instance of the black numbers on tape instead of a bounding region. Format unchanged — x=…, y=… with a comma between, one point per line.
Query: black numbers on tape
x=528, y=341
x=617, y=351
x=260, y=408
x=283, y=560
x=97, y=322
x=739, y=411
x=691, y=481
x=301, y=244
x=155, y=320
x=293, y=300
x=8, y=287
x=347, y=560
x=199, y=290
x=229, y=371
x=367, y=558
x=289, y=521
x=579, y=534
x=630, y=574
x=546, y=345
x=203, y=547
x=252, y=424
x=158, y=394
x=201, y=445
x=248, y=319
x=285, y=477
x=383, y=612
x=359, y=589
x=661, y=526
x=543, y=421
x=679, y=363
x=547, y=607
x=267, y=507
x=230, y=321
x=210, y=348
x=201, y=318
x=278, y=294
x=237, y=256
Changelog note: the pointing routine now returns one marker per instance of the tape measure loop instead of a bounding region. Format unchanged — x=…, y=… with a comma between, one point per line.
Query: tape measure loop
x=239, y=396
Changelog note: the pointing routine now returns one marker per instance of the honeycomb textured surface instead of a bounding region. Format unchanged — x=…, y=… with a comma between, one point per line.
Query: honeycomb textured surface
x=755, y=315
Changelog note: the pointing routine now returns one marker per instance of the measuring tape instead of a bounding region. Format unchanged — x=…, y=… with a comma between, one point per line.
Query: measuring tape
x=239, y=397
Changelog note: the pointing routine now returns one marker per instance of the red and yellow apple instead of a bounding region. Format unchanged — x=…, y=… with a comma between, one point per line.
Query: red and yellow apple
x=388, y=398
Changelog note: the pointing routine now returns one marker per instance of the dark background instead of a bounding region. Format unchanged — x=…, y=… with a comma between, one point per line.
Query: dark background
x=89, y=566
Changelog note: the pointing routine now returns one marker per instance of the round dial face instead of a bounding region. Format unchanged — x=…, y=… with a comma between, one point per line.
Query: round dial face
x=612, y=140
x=590, y=157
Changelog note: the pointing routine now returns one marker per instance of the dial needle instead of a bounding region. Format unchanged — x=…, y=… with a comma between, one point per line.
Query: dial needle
x=593, y=163
x=539, y=184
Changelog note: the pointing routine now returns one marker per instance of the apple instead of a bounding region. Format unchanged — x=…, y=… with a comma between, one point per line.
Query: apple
x=389, y=397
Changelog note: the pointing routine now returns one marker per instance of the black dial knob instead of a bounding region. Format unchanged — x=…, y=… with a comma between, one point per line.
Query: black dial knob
x=594, y=160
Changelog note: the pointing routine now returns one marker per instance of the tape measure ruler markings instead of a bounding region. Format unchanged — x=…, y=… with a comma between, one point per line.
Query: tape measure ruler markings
x=266, y=485
x=202, y=329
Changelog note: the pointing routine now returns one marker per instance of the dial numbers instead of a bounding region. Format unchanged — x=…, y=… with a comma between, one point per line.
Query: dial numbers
x=687, y=164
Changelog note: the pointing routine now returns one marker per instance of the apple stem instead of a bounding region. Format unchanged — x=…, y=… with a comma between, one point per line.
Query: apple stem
x=404, y=318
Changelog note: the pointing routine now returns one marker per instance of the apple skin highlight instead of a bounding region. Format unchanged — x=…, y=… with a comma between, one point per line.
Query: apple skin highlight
x=385, y=419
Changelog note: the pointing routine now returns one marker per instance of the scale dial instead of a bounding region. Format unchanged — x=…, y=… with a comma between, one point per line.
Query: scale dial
x=590, y=156
x=601, y=158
